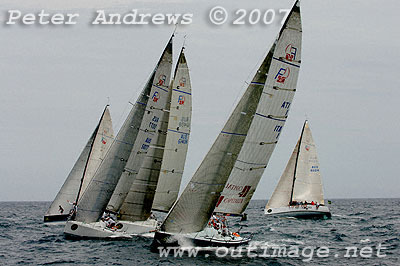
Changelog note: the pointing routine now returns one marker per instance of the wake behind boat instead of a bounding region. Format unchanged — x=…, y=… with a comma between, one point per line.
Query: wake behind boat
x=299, y=192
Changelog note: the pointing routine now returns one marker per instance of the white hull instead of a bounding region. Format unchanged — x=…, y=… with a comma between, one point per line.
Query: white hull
x=208, y=237
x=125, y=229
x=309, y=211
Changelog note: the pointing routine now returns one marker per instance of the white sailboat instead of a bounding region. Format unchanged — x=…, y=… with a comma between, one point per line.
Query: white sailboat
x=267, y=98
x=126, y=155
x=299, y=192
x=83, y=170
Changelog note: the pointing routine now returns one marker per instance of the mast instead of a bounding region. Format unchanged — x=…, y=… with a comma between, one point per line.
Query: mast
x=295, y=165
x=90, y=153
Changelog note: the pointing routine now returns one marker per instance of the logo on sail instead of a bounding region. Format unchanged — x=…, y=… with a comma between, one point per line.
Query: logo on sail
x=244, y=192
x=161, y=79
x=182, y=82
x=307, y=148
x=156, y=96
x=290, y=52
x=103, y=140
x=181, y=99
x=282, y=75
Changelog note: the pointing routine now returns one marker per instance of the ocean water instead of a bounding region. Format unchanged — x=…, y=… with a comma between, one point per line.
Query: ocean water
x=356, y=224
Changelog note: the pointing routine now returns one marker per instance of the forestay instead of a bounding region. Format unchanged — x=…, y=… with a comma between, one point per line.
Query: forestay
x=151, y=135
x=272, y=112
x=100, y=189
x=176, y=144
x=85, y=167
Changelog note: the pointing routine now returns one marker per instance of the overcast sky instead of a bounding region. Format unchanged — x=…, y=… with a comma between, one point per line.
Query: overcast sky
x=55, y=81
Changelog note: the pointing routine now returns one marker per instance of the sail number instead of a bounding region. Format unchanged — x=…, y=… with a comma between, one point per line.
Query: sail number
x=153, y=122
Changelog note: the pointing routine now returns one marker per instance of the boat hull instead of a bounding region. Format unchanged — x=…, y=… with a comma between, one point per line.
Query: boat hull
x=309, y=212
x=55, y=218
x=98, y=230
x=205, y=238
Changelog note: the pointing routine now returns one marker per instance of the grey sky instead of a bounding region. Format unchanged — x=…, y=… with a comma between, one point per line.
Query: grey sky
x=55, y=81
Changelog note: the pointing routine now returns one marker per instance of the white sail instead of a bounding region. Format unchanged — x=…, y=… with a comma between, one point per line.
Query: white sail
x=84, y=168
x=124, y=148
x=272, y=112
x=282, y=193
x=308, y=182
x=147, y=138
x=176, y=144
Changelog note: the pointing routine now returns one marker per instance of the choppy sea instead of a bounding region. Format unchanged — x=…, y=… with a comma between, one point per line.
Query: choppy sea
x=360, y=232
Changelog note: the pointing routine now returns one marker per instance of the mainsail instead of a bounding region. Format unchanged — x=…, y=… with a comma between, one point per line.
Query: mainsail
x=301, y=181
x=176, y=144
x=84, y=168
x=142, y=118
x=151, y=129
x=272, y=112
x=138, y=204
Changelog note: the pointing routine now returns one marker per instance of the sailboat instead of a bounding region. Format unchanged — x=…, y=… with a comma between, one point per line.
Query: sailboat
x=83, y=170
x=163, y=165
x=126, y=154
x=299, y=192
x=267, y=99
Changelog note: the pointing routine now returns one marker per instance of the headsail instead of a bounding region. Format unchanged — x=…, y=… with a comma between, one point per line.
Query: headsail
x=301, y=181
x=176, y=144
x=271, y=115
x=84, y=168
x=100, y=189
